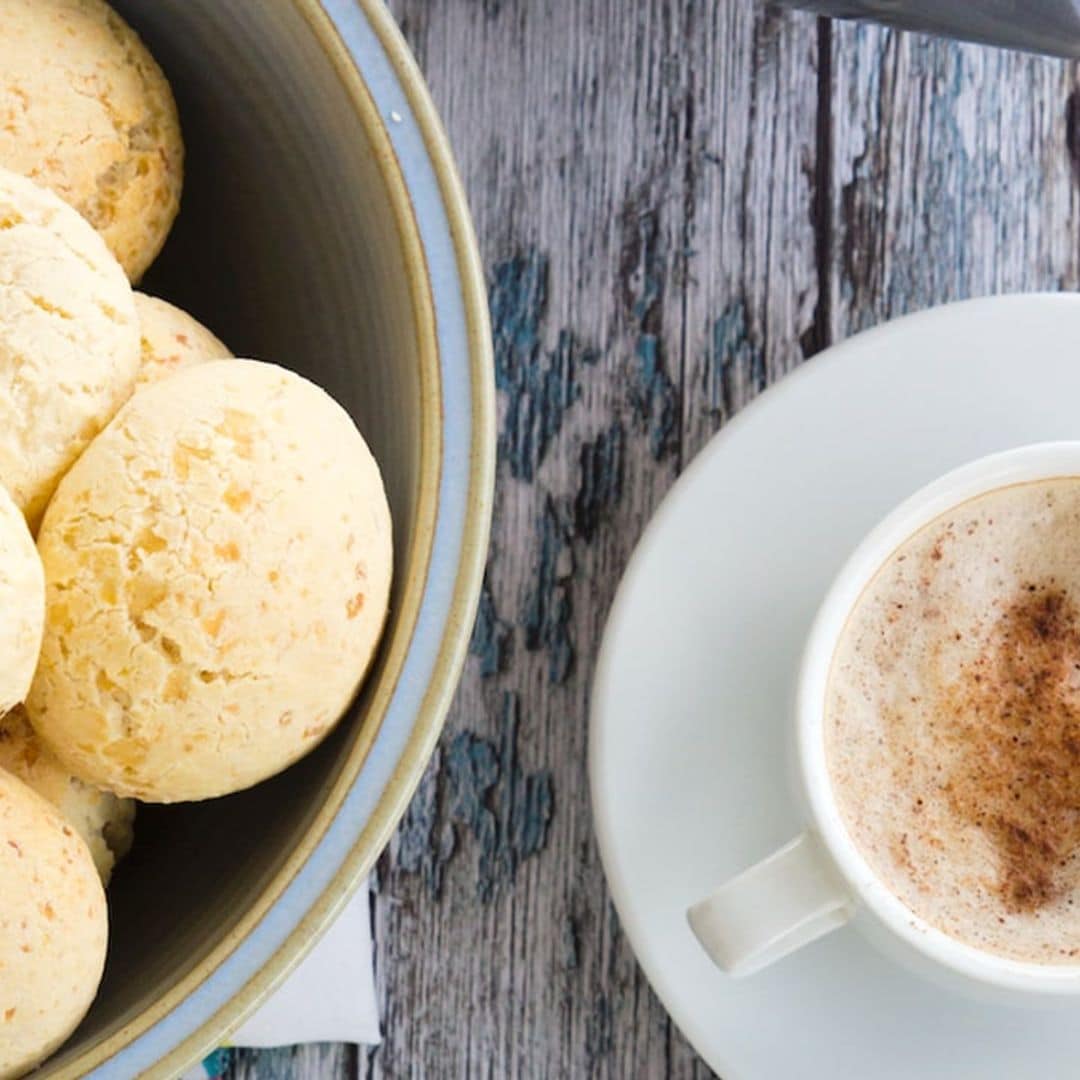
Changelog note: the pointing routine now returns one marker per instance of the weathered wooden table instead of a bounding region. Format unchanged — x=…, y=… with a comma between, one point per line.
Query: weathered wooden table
x=678, y=201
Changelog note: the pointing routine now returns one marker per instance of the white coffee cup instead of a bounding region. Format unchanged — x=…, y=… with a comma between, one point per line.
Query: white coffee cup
x=820, y=880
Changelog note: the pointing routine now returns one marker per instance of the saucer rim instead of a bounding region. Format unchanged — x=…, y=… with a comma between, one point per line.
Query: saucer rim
x=957, y=313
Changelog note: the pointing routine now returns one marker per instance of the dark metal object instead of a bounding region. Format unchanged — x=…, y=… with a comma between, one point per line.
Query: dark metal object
x=1047, y=26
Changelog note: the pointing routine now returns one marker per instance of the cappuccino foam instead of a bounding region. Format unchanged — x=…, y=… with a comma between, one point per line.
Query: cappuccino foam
x=952, y=722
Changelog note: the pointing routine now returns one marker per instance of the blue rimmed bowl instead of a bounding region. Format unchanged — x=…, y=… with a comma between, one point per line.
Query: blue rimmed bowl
x=323, y=228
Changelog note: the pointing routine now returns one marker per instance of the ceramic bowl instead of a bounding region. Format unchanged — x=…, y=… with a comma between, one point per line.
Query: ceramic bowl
x=323, y=227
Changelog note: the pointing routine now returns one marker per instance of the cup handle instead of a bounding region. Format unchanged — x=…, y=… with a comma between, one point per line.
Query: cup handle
x=780, y=904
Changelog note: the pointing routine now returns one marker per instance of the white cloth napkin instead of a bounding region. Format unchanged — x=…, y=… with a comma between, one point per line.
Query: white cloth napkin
x=330, y=997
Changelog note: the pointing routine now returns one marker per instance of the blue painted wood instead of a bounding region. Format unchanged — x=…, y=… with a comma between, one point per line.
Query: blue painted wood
x=677, y=202
x=614, y=158
x=288, y=1063
x=953, y=175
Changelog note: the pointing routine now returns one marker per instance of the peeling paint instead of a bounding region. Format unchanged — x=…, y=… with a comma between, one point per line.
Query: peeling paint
x=506, y=810
x=279, y=1063
x=657, y=400
x=493, y=638
x=549, y=605
x=738, y=364
x=217, y=1064
x=934, y=176
x=424, y=846
x=654, y=397
x=602, y=464
x=540, y=386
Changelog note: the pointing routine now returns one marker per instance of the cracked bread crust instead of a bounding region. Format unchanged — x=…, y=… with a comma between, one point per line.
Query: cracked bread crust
x=22, y=601
x=85, y=111
x=53, y=928
x=172, y=339
x=69, y=340
x=104, y=821
x=217, y=573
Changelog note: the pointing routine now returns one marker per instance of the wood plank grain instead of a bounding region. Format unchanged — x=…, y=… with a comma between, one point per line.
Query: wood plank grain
x=953, y=175
x=316, y=1061
x=751, y=294
x=640, y=175
x=671, y=217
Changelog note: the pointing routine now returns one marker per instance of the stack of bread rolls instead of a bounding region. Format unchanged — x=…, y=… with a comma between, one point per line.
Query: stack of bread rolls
x=195, y=550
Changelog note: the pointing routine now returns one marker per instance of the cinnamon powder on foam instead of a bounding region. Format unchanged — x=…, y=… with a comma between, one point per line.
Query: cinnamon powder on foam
x=953, y=722
x=1015, y=715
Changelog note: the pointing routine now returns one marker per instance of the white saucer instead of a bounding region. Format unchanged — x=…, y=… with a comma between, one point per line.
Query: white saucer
x=691, y=695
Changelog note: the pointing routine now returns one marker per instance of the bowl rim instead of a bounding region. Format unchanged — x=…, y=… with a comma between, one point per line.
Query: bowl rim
x=468, y=573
